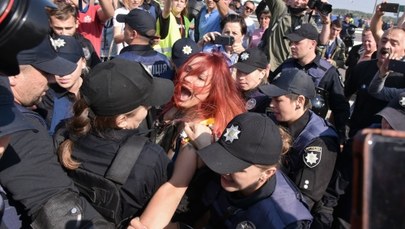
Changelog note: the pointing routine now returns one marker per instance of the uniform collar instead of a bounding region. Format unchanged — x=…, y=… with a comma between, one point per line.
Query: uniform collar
x=262, y=193
x=315, y=62
x=60, y=91
x=296, y=128
x=136, y=48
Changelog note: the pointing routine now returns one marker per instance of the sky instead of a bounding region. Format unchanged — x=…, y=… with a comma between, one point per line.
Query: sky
x=366, y=6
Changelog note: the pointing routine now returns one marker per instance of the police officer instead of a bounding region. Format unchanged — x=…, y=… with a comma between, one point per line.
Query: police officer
x=251, y=71
x=254, y=193
x=115, y=98
x=12, y=121
x=140, y=35
x=29, y=170
x=329, y=87
x=310, y=163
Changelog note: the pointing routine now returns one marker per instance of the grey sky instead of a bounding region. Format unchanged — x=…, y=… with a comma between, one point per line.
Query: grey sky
x=366, y=6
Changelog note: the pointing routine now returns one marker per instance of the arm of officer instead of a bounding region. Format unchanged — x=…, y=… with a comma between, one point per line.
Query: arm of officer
x=339, y=106
x=319, y=162
x=352, y=82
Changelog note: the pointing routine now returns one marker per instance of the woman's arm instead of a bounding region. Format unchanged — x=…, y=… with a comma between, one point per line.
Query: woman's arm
x=164, y=202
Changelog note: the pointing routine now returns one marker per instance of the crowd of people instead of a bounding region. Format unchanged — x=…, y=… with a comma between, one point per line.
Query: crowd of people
x=203, y=121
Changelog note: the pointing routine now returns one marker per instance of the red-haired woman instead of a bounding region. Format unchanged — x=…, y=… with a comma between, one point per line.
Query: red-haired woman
x=204, y=91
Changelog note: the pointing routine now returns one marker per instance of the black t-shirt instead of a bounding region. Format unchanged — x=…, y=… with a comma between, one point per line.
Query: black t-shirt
x=29, y=168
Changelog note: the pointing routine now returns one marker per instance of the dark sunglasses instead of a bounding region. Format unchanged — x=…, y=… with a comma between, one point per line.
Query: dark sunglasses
x=248, y=9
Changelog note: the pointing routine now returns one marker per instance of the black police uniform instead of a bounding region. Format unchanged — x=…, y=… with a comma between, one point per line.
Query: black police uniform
x=156, y=62
x=46, y=107
x=256, y=101
x=264, y=208
x=312, y=168
x=149, y=172
x=332, y=84
x=31, y=174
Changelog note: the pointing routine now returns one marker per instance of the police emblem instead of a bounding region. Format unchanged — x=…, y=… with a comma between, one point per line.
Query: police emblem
x=86, y=53
x=250, y=104
x=232, y=133
x=246, y=225
x=402, y=102
x=187, y=50
x=58, y=43
x=312, y=156
x=244, y=56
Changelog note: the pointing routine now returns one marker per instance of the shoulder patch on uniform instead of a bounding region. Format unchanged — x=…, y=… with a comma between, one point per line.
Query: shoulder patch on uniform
x=312, y=156
x=245, y=225
x=250, y=104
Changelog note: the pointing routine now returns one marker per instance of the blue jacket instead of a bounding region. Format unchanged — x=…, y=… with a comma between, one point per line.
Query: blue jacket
x=282, y=207
x=156, y=62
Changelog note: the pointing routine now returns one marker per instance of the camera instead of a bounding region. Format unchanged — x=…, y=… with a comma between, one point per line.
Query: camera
x=322, y=7
x=23, y=25
x=348, y=35
x=389, y=7
x=223, y=40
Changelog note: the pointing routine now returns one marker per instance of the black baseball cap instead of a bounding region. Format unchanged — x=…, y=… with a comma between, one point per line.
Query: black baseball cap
x=394, y=113
x=250, y=138
x=44, y=58
x=12, y=120
x=119, y=86
x=182, y=49
x=250, y=60
x=290, y=81
x=141, y=21
x=304, y=31
x=68, y=47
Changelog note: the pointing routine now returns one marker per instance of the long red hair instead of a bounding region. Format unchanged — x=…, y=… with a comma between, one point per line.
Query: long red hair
x=224, y=101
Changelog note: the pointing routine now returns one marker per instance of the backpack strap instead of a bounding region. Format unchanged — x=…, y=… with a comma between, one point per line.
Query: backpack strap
x=125, y=159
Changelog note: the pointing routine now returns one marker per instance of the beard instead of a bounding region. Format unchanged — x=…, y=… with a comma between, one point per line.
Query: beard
x=296, y=11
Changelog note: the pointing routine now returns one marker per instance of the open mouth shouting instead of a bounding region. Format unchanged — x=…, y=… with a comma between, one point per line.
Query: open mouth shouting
x=385, y=53
x=186, y=94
